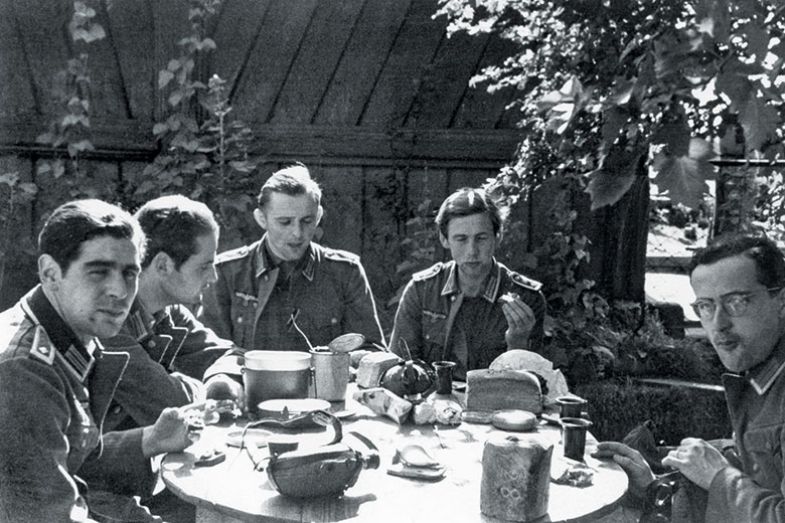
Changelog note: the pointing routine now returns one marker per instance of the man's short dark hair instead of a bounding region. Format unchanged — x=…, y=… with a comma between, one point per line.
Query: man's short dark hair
x=467, y=201
x=78, y=221
x=769, y=261
x=172, y=225
x=293, y=181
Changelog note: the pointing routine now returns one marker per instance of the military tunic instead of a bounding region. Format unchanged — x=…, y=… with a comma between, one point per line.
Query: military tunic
x=169, y=353
x=435, y=324
x=53, y=398
x=328, y=293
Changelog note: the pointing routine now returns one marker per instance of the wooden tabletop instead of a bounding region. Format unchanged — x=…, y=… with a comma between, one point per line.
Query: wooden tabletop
x=232, y=491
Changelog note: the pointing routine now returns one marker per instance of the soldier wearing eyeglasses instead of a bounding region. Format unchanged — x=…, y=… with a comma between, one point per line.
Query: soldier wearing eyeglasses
x=738, y=284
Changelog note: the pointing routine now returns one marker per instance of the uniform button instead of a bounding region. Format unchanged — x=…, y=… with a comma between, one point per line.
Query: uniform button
x=151, y=344
x=240, y=319
x=266, y=277
x=452, y=298
x=117, y=409
x=427, y=336
x=334, y=321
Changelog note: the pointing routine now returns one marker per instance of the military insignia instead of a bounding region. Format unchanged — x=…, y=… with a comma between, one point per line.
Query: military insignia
x=526, y=283
x=246, y=298
x=433, y=316
x=428, y=273
x=343, y=256
x=234, y=254
x=41, y=349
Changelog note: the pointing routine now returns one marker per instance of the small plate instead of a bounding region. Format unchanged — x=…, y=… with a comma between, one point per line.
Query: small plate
x=294, y=407
x=256, y=437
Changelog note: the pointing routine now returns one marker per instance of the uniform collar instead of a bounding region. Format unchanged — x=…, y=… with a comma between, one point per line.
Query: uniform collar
x=64, y=339
x=264, y=263
x=491, y=285
x=763, y=375
x=139, y=320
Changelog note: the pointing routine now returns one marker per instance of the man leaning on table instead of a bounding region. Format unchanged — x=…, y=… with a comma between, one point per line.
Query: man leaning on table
x=738, y=283
x=170, y=349
x=56, y=381
x=473, y=308
x=285, y=281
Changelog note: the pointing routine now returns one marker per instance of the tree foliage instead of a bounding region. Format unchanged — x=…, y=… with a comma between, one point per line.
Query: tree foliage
x=205, y=151
x=602, y=84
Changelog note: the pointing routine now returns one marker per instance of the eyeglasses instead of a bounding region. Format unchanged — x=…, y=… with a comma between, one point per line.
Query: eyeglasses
x=735, y=304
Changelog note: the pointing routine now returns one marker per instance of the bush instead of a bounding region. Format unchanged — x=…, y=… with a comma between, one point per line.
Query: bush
x=617, y=406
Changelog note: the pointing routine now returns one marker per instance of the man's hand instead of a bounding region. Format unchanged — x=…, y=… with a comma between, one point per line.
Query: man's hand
x=170, y=433
x=631, y=461
x=520, y=321
x=697, y=460
x=223, y=387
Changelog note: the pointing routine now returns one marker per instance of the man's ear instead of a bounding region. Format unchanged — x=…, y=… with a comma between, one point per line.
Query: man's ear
x=443, y=240
x=781, y=298
x=260, y=218
x=162, y=264
x=49, y=271
x=319, y=214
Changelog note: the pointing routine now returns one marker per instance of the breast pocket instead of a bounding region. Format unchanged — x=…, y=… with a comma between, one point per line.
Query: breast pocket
x=322, y=324
x=243, y=316
x=765, y=453
x=434, y=331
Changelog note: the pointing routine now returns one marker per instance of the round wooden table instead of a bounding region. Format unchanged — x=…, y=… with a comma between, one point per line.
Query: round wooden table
x=232, y=491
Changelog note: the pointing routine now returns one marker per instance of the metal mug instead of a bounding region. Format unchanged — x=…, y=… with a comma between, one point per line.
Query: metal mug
x=330, y=374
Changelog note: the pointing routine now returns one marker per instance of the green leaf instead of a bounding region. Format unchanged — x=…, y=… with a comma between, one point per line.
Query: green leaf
x=160, y=128
x=164, y=77
x=43, y=168
x=208, y=44
x=733, y=82
x=684, y=177
x=95, y=33
x=675, y=135
x=616, y=174
x=759, y=121
x=175, y=98
x=58, y=169
x=29, y=188
x=9, y=179
x=757, y=40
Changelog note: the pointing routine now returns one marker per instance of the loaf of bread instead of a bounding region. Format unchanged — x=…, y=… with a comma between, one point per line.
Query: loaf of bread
x=373, y=366
x=515, y=478
x=490, y=390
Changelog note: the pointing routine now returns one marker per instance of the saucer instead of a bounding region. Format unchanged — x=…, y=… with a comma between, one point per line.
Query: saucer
x=257, y=437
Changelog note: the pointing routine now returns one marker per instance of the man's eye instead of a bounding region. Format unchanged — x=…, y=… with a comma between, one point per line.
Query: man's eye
x=128, y=275
x=98, y=272
x=284, y=222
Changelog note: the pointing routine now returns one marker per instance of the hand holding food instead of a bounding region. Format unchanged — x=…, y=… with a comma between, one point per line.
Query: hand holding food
x=520, y=320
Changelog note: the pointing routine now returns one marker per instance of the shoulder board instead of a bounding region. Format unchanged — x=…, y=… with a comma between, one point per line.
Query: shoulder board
x=41, y=348
x=526, y=283
x=339, y=255
x=234, y=254
x=430, y=272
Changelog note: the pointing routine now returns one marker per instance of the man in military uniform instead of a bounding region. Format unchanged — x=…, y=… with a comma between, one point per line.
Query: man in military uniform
x=473, y=308
x=269, y=292
x=56, y=382
x=169, y=348
x=739, y=285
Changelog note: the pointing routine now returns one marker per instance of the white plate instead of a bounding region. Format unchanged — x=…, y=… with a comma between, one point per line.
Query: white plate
x=256, y=437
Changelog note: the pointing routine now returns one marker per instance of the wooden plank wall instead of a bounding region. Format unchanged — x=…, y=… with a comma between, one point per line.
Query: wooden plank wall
x=371, y=94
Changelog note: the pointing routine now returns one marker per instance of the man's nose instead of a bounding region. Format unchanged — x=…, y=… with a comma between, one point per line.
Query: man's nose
x=117, y=286
x=721, y=319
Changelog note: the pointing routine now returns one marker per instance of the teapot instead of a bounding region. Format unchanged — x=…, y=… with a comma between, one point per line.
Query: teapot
x=408, y=378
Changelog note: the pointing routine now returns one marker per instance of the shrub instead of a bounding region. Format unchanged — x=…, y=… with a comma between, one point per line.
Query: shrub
x=617, y=406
